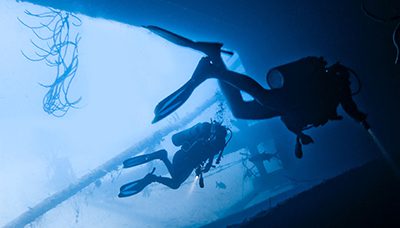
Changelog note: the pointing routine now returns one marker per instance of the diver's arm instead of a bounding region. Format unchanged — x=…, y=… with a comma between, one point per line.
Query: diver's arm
x=209, y=164
x=350, y=107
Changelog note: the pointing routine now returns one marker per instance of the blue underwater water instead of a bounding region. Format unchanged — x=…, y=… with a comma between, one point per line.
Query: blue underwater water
x=123, y=72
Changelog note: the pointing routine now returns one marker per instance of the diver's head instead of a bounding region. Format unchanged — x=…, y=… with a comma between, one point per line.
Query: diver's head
x=222, y=131
x=218, y=129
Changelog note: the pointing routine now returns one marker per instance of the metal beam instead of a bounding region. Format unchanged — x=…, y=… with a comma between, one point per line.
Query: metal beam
x=113, y=164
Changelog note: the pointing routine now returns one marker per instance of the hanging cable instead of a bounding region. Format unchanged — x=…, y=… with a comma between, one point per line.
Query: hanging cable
x=396, y=31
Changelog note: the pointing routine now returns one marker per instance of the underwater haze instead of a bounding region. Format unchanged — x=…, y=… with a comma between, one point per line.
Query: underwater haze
x=123, y=72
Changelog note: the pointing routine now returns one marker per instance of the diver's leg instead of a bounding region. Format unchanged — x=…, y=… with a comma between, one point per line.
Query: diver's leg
x=205, y=69
x=233, y=98
x=178, y=176
x=242, y=83
x=244, y=109
x=167, y=164
x=233, y=80
x=134, y=187
x=170, y=182
x=179, y=173
x=275, y=100
x=180, y=169
x=180, y=166
x=239, y=107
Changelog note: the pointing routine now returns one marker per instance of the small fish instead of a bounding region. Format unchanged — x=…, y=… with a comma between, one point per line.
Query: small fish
x=220, y=185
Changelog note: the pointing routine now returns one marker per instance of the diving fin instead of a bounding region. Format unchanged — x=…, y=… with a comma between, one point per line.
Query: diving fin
x=135, y=161
x=138, y=160
x=134, y=187
x=170, y=36
x=171, y=103
x=208, y=48
x=131, y=189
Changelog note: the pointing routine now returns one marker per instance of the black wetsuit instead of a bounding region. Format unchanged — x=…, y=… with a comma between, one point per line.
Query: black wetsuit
x=199, y=145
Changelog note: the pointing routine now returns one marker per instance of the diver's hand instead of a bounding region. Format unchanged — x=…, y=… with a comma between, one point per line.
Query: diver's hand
x=365, y=124
x=305, y=139
x=362, y=117
x=207, y=169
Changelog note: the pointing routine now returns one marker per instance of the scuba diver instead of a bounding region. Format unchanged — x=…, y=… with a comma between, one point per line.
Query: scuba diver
x=199, y=145
x=304, y=93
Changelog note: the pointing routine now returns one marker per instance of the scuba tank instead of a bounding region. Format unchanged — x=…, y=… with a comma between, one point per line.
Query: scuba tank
x=209, y=136
x=189, y=135
x=295, y=76
x=206, y=131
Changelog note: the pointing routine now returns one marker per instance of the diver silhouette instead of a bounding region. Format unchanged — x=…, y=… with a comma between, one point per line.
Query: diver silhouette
x=199, y=145
x=307, y=98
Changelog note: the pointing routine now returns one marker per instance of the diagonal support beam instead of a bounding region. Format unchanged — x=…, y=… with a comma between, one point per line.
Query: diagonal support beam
x=113, y=164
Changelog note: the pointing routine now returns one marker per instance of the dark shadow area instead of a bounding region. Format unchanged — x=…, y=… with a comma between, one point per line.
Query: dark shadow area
x=364, y=197
x=267, y=34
